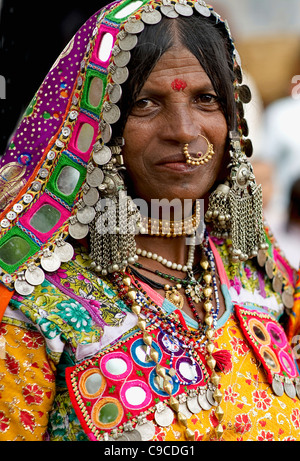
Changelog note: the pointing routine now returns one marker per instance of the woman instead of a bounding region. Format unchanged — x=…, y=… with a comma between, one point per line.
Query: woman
x=152, y=326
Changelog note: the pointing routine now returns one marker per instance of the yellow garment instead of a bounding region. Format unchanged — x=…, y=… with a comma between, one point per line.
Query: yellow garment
x=27, y=385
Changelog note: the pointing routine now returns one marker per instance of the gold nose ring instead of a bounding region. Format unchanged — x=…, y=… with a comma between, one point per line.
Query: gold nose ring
x=200, y=158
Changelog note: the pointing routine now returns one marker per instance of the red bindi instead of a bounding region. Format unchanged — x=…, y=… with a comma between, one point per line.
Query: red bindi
x=178, y=84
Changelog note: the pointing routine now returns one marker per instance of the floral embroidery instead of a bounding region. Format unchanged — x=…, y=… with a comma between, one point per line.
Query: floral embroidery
x=239, y=346
x=75, y=314
x=242, y=423
x=33, y=394
x=27, y=386
x=265, y=436
x=262, y=400
x=296, y=418
x=230, y=395
x=4, y=423
x=33, y=340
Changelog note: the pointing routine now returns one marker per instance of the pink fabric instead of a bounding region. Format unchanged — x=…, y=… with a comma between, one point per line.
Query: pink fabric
x=284, y=266
x=44, y=200
x=82, y=119
x=102, y=31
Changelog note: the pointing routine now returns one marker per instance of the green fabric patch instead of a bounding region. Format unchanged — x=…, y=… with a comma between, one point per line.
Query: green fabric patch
x=112, y=16
x=15, y=248
x=66, y=179
x=93, y=92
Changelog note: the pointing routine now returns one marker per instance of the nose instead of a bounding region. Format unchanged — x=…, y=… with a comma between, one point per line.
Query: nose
x=182, y=127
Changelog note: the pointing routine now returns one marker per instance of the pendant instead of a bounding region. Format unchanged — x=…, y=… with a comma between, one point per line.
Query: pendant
x=23, y=288
x=183, y=407
x=202, y=400
x=289, y=388
x=173, y=295
x=277, y=386
x=133, y=435
x=192, y=402
x=195, y=292
x=297, y=386
x=34, y=275
x=50, y=262
x=210, y=394
x=64, y=251
x=145, y=428
x=164, y=415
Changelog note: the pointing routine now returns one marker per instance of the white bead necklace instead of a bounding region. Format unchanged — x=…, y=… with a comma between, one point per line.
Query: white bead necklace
x=169, y=264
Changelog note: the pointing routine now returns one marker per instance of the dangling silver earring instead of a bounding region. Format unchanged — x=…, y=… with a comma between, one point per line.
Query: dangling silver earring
x=235, y=208
x=117, y=221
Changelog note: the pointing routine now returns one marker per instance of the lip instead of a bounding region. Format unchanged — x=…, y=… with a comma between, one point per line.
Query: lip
x=176, y=163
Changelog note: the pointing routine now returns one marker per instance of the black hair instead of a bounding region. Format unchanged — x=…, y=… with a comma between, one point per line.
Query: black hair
x=206, y=39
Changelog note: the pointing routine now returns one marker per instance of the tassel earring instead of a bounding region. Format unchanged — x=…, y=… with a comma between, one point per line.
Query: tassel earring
x=117, y=220
x=235, y=208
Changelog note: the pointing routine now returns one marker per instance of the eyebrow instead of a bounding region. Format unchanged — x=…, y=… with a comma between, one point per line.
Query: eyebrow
x=155, y=90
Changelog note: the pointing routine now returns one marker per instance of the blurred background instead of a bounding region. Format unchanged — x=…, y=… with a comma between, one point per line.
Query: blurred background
x=267, y=35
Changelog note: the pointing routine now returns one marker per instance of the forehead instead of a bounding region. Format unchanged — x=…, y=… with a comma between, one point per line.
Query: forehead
x=177, y=62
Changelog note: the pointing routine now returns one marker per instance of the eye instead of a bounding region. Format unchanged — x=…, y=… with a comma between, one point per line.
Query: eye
x=142, y=103
x=207, y=99
x=143, y=106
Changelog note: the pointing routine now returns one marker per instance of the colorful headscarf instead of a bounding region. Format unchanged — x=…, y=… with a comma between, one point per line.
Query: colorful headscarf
x=52, y=172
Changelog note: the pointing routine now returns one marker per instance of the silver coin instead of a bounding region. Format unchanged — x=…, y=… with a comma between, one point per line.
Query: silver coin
x=106, y=132
x=277, y=282
x=103, y=156
x=164, y=418
x=112, y=115
x=193, y=405
x=261, y=257
x=288, y=299
x=122, y=59
x=95, y=178
x=297, y=386
x=120, y=75
x=269, y=268
x=23, y=288
x=128, y=42
x=169, y=11
x=210, y=397
x=35, y=276
x=122, y=438
x=65, y=252
x=203, y=10
x=289, y=388
x=86, y=215
x=183, y=10
x=184, y=410
x=91, y=197
x=50, y=263
x=115, y=93
x=133, y=436
x=146, y=430
x=151, y=17
x=78, y=231
x=277, y=386
x=134, y=26
x=202, y=400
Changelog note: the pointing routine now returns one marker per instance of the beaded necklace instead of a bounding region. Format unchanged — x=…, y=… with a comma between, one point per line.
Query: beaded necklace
x=191, y=339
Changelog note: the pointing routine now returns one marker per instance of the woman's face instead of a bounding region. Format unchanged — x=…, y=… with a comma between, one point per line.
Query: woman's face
x=176, y=104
